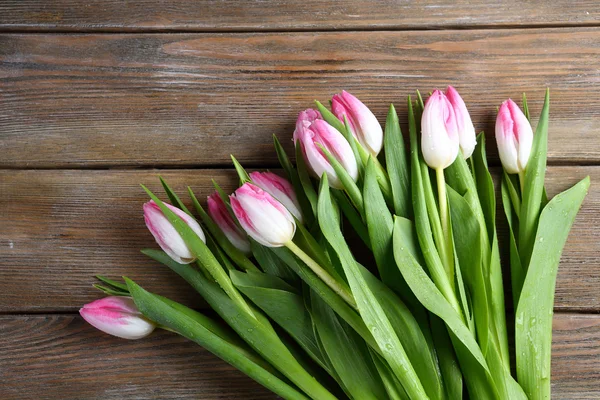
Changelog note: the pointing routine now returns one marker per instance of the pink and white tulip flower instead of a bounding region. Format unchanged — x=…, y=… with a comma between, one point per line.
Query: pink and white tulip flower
x=280, y=188
x=365, y=127
x=439, y=132
x=514, y=137
x=117, y=316
x=263, y=218
x=311, y=130
x=466, y=131
x=220, y=214
x=167, y=236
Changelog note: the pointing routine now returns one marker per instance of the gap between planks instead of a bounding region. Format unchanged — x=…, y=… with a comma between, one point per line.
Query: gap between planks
x=149, y=31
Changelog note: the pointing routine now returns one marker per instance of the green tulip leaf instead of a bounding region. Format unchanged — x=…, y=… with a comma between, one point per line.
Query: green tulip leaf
x=347, y=352
x=329, y=117
x=182, y=321
x=306, y=186
x=347, y=182
x=243, y=175
x=472, y=361
x=284, y=305
x=255, y=329
x=369, y=307
x=533, y=326
x=398, y=166
x=534, y=187
x=175, y=200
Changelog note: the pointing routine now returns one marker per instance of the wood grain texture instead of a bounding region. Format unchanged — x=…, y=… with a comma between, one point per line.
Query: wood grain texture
x=60, y=228
x=89, y=364
x=222, y=15
x=192, y=99
x=62, y=357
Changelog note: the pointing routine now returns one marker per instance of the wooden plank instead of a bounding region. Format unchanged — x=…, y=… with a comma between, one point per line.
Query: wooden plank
x=192, y=99
x=89, y=364
x=576, y=356
x=219, y=15
x=62, y=357
x=60, y=228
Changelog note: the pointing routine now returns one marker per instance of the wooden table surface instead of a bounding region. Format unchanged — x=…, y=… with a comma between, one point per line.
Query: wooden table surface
x=97, y=96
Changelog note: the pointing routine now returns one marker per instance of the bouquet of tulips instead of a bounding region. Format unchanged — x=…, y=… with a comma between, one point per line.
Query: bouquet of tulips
x=370, y=271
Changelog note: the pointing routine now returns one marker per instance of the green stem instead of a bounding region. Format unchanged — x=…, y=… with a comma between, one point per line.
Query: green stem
x=445, y=220
x=522, y=182
x=340, y=289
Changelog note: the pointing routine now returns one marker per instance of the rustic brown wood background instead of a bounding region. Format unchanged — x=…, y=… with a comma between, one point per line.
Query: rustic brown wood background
x=97, y=96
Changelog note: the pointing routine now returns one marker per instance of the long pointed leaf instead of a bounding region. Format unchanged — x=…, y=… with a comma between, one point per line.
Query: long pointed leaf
x=175, y=200
x=534, y=186
x=398, y=166
x=370, y=309
x=256, y=331
x=348, y=353
x=284, y=305
x=158, y=311
x=533, y=327
x=473, y=364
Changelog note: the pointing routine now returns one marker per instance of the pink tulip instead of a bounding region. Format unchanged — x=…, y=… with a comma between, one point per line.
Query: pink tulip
x=280, y=188
x=220, y=214
x=263, y=218
x=439, y=132
x=365, y=127
x=514, y=137
x=117, y=316
x=466, y=131
x=167, y=236
x=312, y=130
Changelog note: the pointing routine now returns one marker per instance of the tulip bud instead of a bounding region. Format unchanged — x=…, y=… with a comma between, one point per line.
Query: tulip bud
x=220, y=214
x=439, y=132
x=312, y=130
x=263, y=218
x=279, y=188
x=514, y=137
x=167, y=236
x=466, y=131
x=365, y=127
x=117, y=316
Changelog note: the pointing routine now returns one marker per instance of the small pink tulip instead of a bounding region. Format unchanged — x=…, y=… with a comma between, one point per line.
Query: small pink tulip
x=514, y=137
x=365, y=127
x=263, y=218
x=312, y=130
x=439, y=132
x=117, y=316
x=167, y=236
x=220, y=214
x=280, y=188
x=466, y=131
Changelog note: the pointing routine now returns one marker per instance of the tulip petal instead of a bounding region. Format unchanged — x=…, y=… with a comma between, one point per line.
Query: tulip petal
x=439, y=140
x=281, y=189
x=466, y=130
x=166, y=235
x=263, y=218
x=362, y=121
x=221, y=216
x=117, y=316
x=514, y=137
